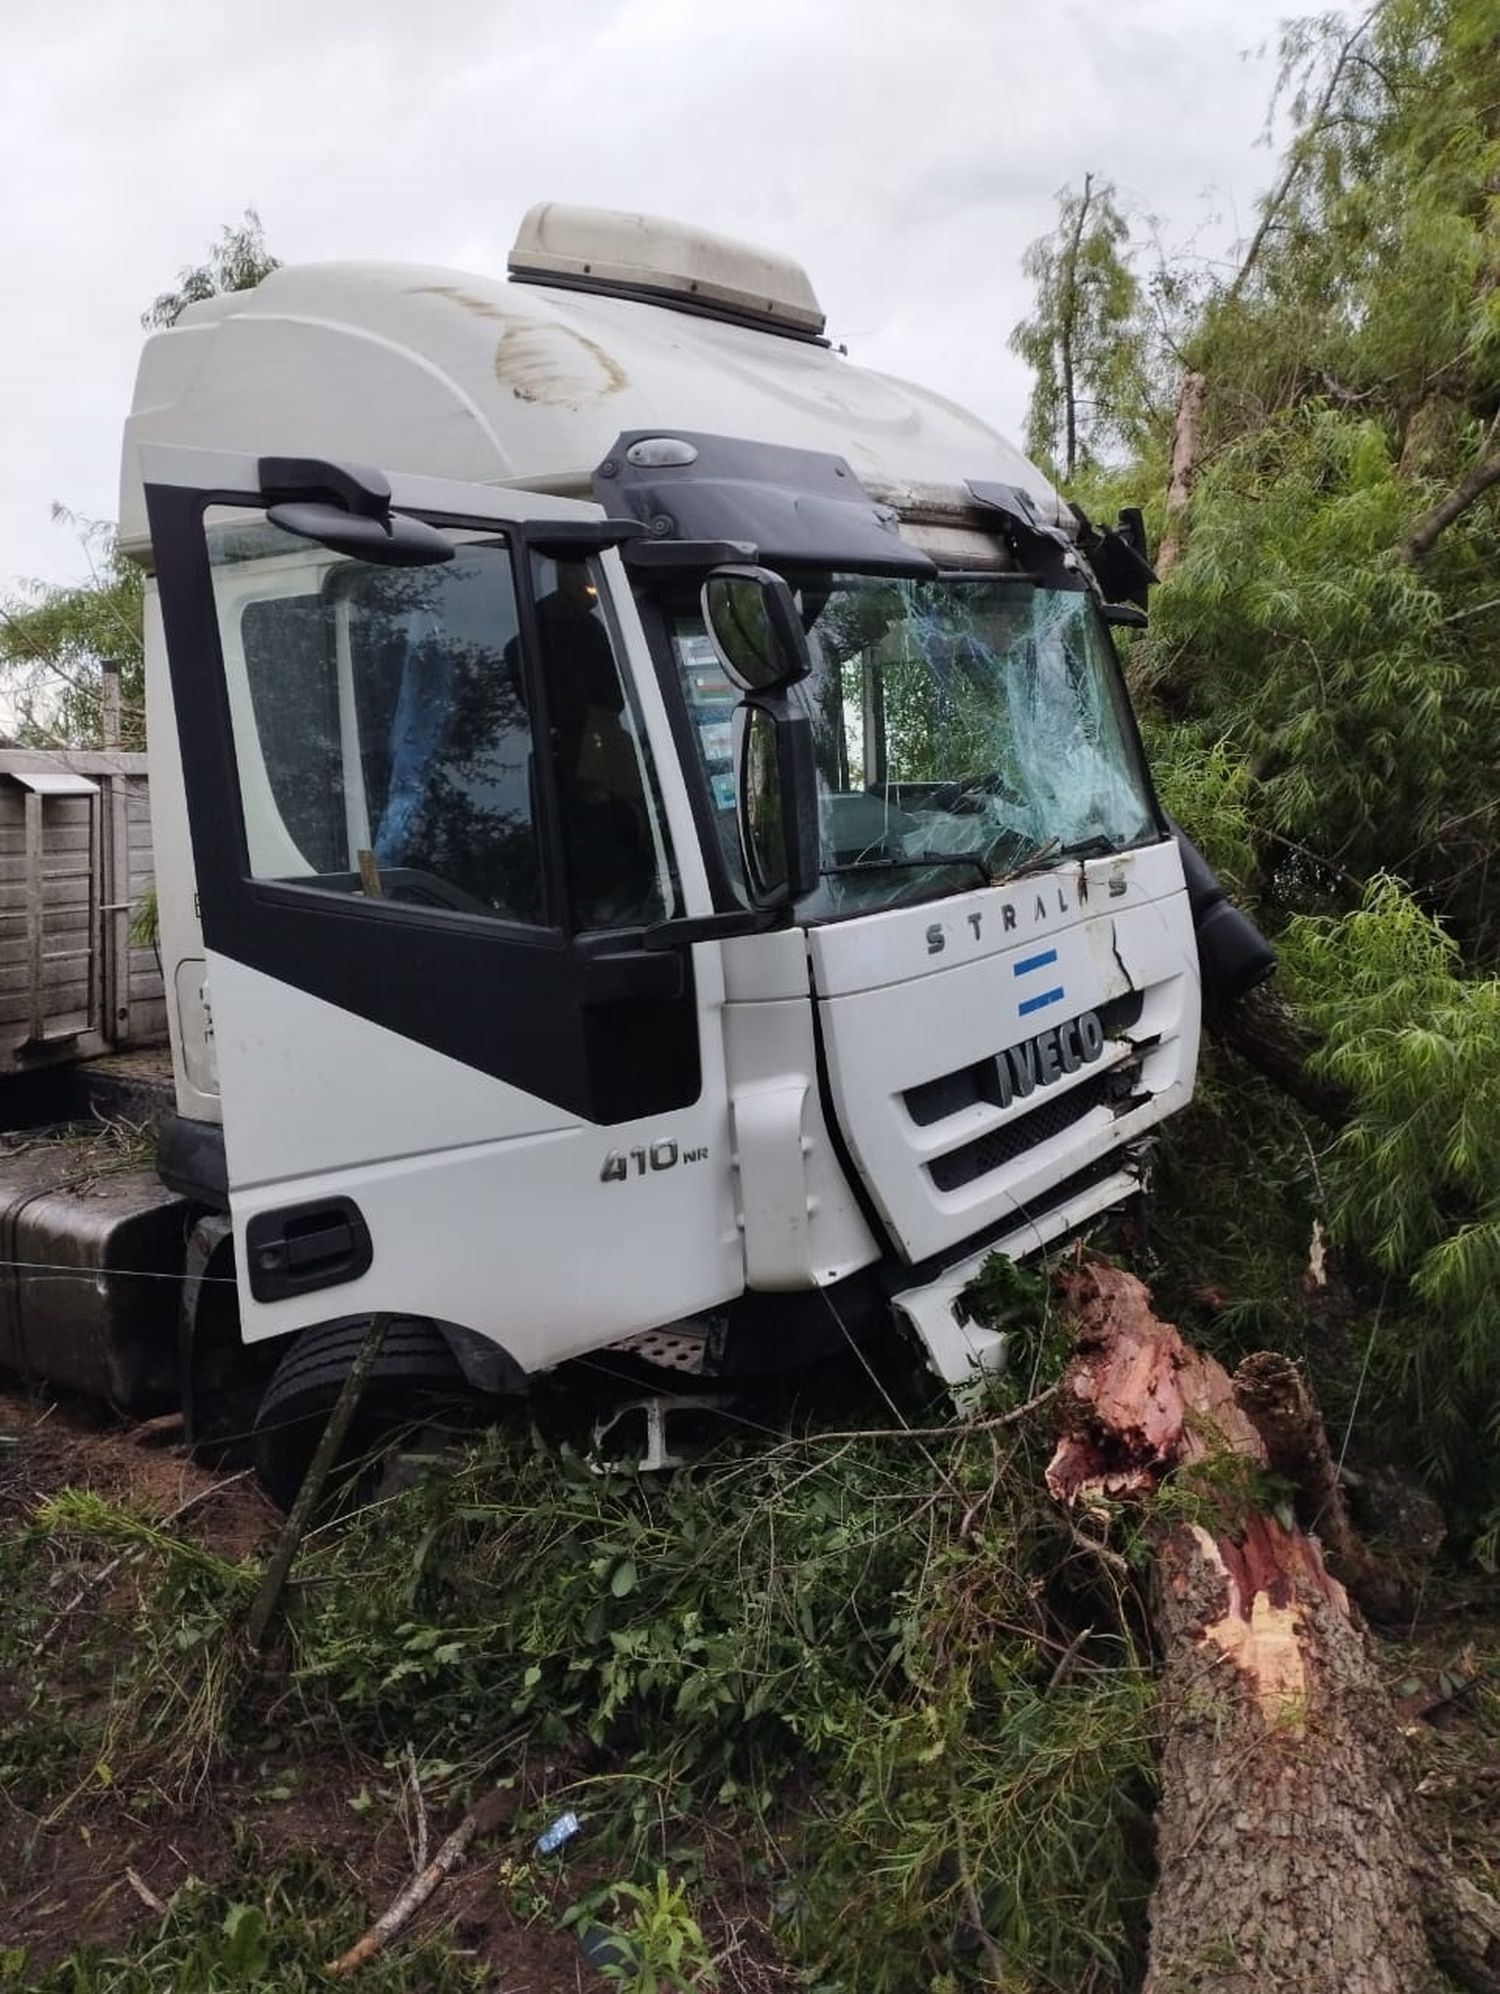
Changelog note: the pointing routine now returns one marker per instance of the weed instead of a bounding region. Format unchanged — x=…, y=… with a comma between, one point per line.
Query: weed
x=253, y=1931
x=651, y=1943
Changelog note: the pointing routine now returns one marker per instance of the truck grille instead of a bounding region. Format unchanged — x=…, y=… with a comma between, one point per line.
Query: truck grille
x=1003, y=1145
x=972, y=1086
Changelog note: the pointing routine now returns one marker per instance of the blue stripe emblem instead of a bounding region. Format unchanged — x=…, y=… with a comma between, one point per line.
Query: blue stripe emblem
x=1043, y=998
x=1033, y=962
x=1037, y=1003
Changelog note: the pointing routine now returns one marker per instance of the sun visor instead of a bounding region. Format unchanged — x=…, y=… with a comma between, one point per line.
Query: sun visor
x=798, y=508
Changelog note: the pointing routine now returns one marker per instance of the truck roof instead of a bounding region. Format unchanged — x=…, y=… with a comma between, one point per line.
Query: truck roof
x=455, y=375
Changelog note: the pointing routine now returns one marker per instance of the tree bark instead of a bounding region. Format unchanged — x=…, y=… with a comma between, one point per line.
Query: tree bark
x=1069, y=327
x=1273, y=1394
x=1287, y=1854
x=1184, y=469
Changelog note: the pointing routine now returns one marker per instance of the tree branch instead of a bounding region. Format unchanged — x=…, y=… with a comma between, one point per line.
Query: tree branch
x=1298, y=156
x=1262, y=1029
x=1425, y=535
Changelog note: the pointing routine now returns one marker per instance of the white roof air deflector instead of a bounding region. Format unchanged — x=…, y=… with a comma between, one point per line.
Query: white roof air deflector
x=598, y=249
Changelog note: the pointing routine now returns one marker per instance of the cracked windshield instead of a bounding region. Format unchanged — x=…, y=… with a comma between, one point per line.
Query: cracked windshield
x=965, y=731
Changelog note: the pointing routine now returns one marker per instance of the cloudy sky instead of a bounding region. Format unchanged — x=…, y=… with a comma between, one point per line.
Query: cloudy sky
x=906, y=151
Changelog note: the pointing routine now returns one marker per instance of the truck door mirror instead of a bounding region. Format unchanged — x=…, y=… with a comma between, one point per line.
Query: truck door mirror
x=777, y=801
x=752, y=617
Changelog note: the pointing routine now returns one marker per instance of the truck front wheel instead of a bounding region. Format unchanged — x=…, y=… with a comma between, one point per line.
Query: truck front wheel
x=415, y=1378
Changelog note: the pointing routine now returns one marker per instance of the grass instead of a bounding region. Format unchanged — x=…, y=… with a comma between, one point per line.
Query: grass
x=838, y=1710
x=248, y=1930
x=835, y=1712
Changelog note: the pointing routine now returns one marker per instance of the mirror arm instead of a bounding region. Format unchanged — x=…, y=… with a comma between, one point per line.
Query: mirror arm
x=683, y=932
x=572, y=539
x=359, y=488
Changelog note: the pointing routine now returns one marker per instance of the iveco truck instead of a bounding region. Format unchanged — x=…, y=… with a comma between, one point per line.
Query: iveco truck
x=653, y=850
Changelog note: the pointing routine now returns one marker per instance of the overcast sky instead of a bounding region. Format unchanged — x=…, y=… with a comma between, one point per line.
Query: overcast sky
x=905, y=151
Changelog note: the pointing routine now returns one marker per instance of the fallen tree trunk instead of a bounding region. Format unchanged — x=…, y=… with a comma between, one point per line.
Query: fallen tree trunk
x=1287, y=1854
x=1262, y=1029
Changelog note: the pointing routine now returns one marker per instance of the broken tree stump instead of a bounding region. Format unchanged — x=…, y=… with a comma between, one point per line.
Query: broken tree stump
x=1288, y=1857
x=1273, y=1392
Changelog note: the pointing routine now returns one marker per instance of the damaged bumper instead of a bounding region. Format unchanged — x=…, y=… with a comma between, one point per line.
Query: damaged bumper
x=963, y=1352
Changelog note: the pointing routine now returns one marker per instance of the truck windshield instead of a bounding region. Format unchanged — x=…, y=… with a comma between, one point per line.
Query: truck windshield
x=966, y=730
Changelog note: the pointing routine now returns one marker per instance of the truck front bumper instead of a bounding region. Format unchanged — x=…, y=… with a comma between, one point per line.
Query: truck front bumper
x=963, y=1352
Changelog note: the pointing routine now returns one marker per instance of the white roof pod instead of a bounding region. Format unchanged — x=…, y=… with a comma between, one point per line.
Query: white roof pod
x=600, y=249
x=612, y=324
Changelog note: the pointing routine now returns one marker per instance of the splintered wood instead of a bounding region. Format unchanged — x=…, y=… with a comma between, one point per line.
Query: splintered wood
x=1287, y=1856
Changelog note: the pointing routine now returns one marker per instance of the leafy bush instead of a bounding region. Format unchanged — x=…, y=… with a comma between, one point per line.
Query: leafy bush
x=836, y=1648
x=1415, y=1176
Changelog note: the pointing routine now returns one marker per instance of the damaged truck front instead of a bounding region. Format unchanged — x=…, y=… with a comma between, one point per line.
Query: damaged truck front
x=654, y=851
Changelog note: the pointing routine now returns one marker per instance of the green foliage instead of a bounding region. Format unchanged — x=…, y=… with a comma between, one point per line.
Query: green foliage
x=53, y=639
x=145, y=919
x=1415, y=1176
x=1322, y=698
x=1370, y=288
x=1086, y=341
x=1291, y=632
x=1211, y=787
x=172, y=1687
x=267, y=1926
x=832, y=1643
x=1218, y=1492
x=654, y=1941
x=237, y=261
x=838, y=1655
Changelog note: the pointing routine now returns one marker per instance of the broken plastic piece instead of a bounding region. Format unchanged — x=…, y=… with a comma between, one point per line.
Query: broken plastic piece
x=551, y=1839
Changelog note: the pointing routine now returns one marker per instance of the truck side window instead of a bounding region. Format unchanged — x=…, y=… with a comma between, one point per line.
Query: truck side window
x=619, y=873
x=381, y=732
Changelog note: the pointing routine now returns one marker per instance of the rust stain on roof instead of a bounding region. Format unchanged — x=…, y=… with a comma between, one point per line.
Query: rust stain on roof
x=537, y=359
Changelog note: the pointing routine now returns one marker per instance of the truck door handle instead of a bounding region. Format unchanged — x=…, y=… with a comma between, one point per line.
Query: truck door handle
x=301, y=1248
x=328, y=1244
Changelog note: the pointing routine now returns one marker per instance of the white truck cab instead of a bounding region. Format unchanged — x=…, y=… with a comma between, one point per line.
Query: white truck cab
x=653, y=848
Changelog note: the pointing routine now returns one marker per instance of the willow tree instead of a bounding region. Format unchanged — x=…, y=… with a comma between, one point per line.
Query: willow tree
x=236, y=261
x=1085, y=339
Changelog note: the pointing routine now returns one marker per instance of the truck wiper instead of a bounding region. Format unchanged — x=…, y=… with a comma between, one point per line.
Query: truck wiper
x=896, y=861
x=1034, y=861
x=1052, y=853
x=1098, y=846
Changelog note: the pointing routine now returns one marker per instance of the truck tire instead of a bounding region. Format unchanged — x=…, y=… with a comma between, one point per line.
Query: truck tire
x=414, y=1374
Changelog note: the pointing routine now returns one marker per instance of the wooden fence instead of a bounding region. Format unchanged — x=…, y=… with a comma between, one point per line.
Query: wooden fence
x=75, y=864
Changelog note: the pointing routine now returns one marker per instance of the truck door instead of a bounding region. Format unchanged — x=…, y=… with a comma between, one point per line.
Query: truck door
x=441, y=849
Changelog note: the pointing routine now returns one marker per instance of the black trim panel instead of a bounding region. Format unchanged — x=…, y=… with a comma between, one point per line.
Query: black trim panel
x=798, y=507
x=190, y=1160
x=508, y=1001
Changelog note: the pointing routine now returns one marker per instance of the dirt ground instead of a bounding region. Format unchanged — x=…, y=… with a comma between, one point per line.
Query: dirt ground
x=80, y=1872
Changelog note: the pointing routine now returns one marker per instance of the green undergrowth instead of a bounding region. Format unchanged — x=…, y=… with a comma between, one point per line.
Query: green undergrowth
x=837, y=1648
x=874, y=1667
x=253, y=1929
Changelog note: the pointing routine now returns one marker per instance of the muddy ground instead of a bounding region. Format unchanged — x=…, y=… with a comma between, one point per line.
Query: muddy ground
x=81, y=1869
